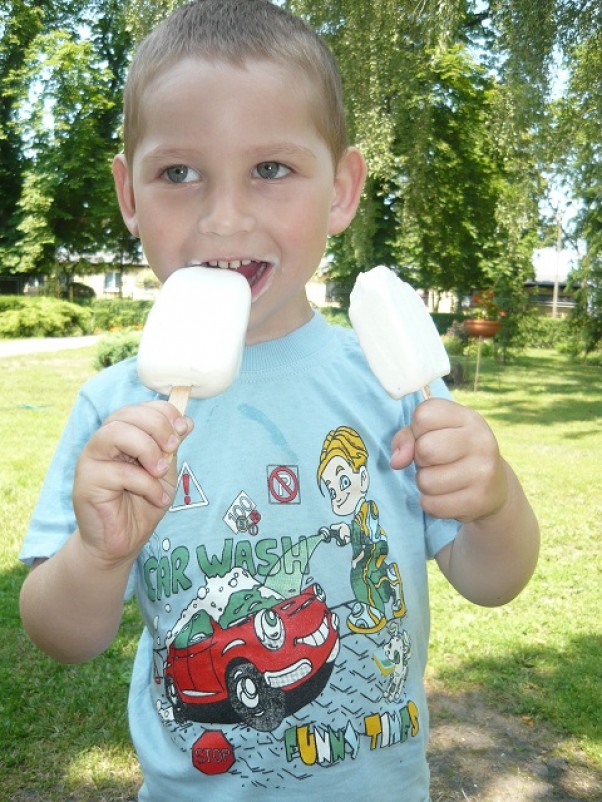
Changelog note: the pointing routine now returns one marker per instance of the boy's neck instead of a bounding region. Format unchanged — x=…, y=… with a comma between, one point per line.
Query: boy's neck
x=277, y=326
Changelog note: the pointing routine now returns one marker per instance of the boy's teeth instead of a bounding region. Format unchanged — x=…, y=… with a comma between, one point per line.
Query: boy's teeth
x=233, y=265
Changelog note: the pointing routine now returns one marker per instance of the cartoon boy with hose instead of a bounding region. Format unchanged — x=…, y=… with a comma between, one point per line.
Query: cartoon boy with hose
x=343, y=469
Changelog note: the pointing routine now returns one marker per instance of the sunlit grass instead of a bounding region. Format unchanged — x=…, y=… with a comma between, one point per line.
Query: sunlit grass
x=540, y=656
x=63, y=729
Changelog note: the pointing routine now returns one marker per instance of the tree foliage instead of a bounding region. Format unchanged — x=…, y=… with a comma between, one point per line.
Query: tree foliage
x=20, y=23
x=582, y=116
x=450, y=101
x=448, y=135
x=64, y=98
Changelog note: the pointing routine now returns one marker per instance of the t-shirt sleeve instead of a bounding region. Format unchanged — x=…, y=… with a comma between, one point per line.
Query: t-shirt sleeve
x=439, y=533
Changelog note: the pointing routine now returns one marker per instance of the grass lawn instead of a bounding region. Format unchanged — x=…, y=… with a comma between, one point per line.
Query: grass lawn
x=63, y=732
x=63, y=729
x=540, y=656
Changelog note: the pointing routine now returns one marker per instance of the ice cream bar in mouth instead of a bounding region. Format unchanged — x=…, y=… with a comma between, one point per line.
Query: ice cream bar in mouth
x=396, y=333
x=194, y=336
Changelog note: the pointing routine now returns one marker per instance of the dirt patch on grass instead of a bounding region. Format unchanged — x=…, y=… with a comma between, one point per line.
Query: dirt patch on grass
x=478, y=754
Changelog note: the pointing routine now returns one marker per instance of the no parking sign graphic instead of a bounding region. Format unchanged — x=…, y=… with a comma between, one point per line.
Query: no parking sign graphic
x=283, y=484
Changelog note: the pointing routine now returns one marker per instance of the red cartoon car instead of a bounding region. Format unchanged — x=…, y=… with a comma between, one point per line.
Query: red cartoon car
x=259, y=668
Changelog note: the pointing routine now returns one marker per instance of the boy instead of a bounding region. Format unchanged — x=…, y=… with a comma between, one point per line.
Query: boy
x=248, y=683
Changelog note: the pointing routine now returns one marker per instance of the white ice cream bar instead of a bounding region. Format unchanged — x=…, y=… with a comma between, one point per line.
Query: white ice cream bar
x=195, y=333
x=396, y=333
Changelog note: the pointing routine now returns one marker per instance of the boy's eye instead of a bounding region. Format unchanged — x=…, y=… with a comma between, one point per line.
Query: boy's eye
x=344, y=482
x=180, y=174
x=271, y=170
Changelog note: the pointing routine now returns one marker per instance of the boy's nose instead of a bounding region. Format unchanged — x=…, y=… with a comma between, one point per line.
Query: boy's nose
x=225, y=211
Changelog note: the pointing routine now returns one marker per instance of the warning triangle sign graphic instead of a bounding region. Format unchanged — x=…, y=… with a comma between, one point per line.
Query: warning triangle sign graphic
x=189, y=493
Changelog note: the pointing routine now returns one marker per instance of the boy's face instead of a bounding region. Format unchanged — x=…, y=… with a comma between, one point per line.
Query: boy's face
x=231, y=171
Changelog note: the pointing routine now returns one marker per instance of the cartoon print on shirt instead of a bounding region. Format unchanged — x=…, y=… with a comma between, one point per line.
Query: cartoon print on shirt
x=257, y=648
x=343, y=470
x=283, y=484
x=242, y=653
x=393, y=661
x=243, y=515
x=189, y=493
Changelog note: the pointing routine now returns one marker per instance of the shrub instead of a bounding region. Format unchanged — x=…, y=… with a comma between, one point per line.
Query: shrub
x=45, y=317
x=445, y=320
x=115, y=347
x=457, y=331
x=538, y=331
x=9, y=302
x=336, y=315
x=119, y=313
x=453, y=345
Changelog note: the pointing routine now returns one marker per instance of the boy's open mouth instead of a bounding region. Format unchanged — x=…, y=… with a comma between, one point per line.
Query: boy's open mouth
x=252, y=269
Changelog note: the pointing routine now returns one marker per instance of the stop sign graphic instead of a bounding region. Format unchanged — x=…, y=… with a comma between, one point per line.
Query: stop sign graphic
x=212, y=753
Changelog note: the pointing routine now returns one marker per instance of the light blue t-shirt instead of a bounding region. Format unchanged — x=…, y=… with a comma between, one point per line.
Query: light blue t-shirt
x=284, y=592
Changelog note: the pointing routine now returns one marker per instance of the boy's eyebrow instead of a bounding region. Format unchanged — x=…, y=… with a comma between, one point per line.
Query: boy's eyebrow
x=260, y=152
x=281, y=149
x=167, y=154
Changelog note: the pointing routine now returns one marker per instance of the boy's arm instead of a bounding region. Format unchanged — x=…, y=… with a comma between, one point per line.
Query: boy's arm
x=70, y=608
x=491, y=560
x=71, y=603
x=462, y=475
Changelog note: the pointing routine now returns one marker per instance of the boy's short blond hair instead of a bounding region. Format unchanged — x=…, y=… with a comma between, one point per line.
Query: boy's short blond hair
x=237, y=31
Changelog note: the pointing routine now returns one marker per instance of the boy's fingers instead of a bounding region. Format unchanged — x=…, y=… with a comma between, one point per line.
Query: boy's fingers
x=403, y=448
x=119, y=476
x=158, y=420
x=429, y=416
x=435, y=414
x=120, y=442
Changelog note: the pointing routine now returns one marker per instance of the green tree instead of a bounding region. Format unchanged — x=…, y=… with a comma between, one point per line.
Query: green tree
x=20, y=23
x=447, y=232
x=448, y=99
x=583, y=118
x=450, y=141
x=142, y=15
x=70, y=122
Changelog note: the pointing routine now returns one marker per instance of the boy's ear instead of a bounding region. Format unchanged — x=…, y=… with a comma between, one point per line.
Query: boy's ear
x=125, y=193
x=348, y=186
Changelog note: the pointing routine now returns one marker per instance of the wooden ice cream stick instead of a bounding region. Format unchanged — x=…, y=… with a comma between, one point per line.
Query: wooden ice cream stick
x=179, y=398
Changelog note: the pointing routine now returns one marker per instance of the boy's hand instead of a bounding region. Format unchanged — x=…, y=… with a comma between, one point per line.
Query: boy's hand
x=461, y=473
x=125, y=479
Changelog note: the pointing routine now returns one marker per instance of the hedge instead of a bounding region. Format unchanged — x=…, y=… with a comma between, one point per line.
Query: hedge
x=39, y=316
x=43, y=317
x=119, y=313
x=114, y=347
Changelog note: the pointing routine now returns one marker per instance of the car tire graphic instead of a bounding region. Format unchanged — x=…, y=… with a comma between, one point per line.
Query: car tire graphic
x=177, y=705
x=253, y=700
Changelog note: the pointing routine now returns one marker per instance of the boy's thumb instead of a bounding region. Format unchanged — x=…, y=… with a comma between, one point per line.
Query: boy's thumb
x=402, y=448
